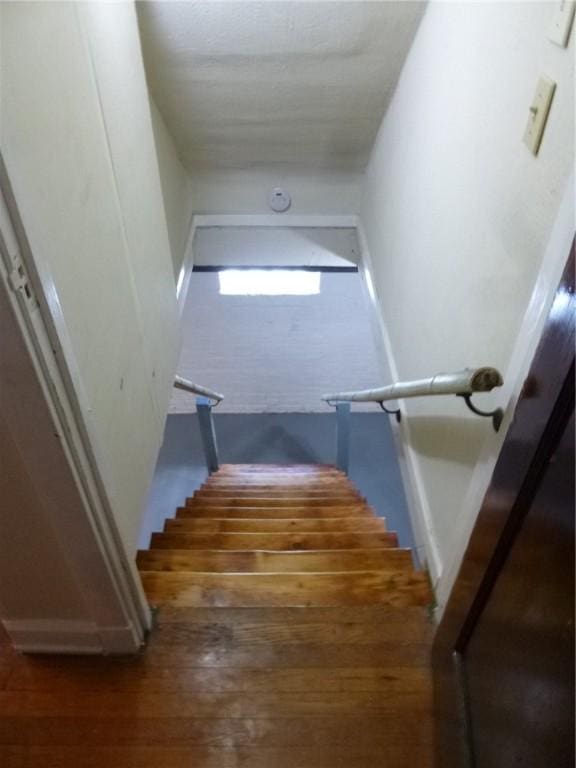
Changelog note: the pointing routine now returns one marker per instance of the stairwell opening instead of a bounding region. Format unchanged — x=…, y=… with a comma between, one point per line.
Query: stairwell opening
x=273, y=351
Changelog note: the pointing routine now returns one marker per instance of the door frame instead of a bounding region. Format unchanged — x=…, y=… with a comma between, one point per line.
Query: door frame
x=34, y=303
x=539, y=417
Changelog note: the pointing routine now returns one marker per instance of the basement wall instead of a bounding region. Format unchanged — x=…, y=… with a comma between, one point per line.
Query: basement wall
x=457, y=215
x=276, y=354
x=77, y=140
x=276, y=247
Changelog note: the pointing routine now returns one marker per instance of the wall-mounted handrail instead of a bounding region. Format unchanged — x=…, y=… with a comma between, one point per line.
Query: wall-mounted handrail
x=462, y=383
x=196, y=389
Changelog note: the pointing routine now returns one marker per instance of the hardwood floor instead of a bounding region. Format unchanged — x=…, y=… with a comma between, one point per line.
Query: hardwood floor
x=285, y=652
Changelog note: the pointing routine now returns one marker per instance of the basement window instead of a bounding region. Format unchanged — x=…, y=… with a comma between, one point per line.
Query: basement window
x=269, y=282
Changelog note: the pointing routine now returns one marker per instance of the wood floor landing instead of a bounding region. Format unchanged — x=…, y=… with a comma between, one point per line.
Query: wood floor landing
x=297, y=641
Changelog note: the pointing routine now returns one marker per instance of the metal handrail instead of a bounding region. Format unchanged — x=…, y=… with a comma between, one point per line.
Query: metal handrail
x=462, y=383
x=196, y=389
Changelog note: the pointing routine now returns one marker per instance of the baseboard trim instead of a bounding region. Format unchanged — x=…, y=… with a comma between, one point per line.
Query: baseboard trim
x=67, y=636
x=418, y=506
x=54, y=636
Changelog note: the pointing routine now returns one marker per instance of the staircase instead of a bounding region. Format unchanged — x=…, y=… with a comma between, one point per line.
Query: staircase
x=292, y=632
x=265, y=536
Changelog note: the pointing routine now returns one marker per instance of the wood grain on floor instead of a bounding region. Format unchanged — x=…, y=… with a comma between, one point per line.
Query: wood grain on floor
x=317, y=655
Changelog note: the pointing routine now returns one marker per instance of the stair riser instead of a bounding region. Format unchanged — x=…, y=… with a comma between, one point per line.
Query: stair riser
x=262, y=468
x=274, y=513
x=341, y=524
x=326, y=489
x=277, y=494
x=273, y=482
x=273, y=542
x=255, y=501
x=301, y=589
x=275, y=562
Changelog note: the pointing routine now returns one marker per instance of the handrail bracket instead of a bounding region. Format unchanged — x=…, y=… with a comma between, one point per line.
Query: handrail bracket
x=392, y=412
x=497, y=415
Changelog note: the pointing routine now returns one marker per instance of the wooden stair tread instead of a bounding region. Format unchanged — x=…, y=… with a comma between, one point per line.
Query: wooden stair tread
x=274, y=541
x=273, y=476
x=314, y=489
x=303, y=479
x=255, y=501
x=281, y=525
x=283, y=512
x=267, y=626
x=311, y=495
x=279, y=535
x=396, y=588
x=314, y=561
x=261, y=468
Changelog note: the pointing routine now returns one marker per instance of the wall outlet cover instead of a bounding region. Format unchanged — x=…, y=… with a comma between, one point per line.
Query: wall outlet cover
x=561, y=22
x=538, y=114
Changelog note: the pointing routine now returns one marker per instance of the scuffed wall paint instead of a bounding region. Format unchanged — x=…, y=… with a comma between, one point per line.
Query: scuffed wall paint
x=76, y=138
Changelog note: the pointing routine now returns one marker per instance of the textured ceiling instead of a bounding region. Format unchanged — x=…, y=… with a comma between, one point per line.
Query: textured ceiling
x=294, y=85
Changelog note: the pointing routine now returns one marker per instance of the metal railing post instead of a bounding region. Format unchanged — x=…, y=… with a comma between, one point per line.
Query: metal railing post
x=208, y=433
x=343, y=436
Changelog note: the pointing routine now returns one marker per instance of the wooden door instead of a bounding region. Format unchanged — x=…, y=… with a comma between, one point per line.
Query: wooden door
x=504, y=652
x=518, y=660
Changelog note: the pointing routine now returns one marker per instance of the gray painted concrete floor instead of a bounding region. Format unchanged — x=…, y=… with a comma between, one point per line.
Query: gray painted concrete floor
x=308, y=438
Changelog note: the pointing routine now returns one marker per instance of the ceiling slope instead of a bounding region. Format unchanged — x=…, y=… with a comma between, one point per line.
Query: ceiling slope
x=299, y=86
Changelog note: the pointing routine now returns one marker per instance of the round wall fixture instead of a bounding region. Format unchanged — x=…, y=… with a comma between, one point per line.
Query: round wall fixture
x=280, y=200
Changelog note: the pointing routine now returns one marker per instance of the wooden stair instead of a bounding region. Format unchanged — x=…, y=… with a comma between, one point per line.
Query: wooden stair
x=292, y=632
x=279, y=536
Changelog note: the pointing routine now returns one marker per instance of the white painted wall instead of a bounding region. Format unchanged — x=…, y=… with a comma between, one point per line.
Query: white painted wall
x=457, y=215
x=276, y=354
x=176, y=190
x=77, y=140
x=276, y=246
x=248, y=191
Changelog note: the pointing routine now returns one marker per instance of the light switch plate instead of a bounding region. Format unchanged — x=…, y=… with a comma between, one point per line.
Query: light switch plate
x=561, y=22
x=538, y=114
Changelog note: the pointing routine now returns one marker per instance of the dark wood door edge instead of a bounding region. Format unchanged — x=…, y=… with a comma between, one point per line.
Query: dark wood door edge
x=547, y=397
